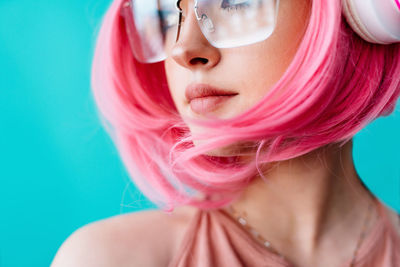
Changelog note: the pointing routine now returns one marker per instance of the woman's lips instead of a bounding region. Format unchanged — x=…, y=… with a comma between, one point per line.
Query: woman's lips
x=203, y=105
x=204, y=98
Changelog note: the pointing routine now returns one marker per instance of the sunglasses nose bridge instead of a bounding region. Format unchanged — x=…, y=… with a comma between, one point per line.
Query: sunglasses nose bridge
x=188, y=14
x=178, y=5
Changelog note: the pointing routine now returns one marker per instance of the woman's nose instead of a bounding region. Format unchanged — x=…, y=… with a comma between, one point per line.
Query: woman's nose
x=192, y=50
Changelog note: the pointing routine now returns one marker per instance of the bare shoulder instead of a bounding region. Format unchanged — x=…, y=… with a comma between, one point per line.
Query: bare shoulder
x=393, y=217
x=145, y=238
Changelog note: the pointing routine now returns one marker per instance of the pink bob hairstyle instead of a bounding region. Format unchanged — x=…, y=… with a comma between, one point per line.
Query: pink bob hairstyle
x=336, y=84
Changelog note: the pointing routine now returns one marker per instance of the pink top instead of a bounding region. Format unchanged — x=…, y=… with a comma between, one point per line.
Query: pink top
x=214, y=238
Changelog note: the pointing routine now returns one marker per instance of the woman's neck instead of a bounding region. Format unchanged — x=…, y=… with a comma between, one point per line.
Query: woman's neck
x=307, y=201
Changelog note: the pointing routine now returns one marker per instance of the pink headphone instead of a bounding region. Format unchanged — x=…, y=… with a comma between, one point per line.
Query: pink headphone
x=376, y=21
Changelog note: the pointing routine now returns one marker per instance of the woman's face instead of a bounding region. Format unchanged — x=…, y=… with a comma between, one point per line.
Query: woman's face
x=248, y=71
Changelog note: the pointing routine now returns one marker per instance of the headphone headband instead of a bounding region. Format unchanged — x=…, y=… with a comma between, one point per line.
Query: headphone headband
x=376, y=21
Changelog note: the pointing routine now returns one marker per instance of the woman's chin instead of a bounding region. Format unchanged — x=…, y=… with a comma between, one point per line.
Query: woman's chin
x=226, y=151
x=242, y=150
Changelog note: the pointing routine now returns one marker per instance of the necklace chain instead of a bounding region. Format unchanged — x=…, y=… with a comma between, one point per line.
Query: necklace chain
x=243, y=222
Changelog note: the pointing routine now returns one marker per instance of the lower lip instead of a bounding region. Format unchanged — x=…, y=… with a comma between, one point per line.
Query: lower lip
x=203, y=105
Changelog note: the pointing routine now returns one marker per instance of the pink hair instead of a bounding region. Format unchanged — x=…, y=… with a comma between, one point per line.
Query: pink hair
x=336, y=84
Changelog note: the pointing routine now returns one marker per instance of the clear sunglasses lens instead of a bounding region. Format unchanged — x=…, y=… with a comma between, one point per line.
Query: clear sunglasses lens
x=233, y=23
x=151, y=24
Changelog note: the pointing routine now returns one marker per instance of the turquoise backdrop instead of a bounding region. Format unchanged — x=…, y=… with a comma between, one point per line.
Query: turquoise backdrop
x=58, y=168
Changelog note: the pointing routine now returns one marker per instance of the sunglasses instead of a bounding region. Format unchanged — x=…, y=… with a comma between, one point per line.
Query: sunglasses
x=154, y=26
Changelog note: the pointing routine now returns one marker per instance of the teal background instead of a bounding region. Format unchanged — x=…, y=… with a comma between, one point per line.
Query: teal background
x=58, y=168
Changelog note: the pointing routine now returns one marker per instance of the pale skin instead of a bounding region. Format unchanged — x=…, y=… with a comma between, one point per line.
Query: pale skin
x=248, y=70
x=309, y=201
x=308, y=198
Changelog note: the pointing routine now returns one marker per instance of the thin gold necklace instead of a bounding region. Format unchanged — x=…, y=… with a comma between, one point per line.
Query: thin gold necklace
x=243, y=221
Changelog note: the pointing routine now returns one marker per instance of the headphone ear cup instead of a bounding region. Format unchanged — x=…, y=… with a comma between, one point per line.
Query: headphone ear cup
x=353, y=19
x=376, y=21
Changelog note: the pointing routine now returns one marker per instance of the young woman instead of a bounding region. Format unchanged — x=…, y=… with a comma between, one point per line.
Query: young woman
x=236, y=118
